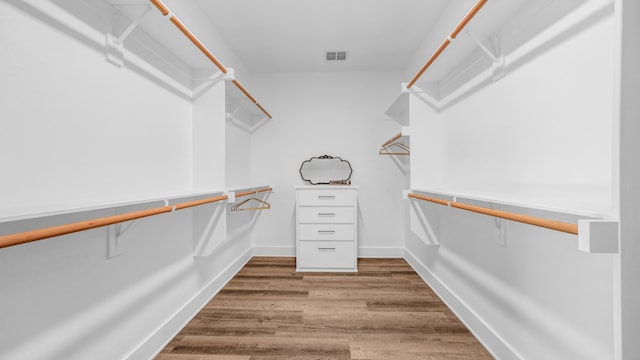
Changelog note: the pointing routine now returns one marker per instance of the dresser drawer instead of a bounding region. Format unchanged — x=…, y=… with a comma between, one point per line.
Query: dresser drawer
x=328, y=232
x=326, y=254
x=326, y=198
x=335, y=215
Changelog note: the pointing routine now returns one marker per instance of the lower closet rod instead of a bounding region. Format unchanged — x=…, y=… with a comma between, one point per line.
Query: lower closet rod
x=34, y=235
x=251, y=192
x=526, y=219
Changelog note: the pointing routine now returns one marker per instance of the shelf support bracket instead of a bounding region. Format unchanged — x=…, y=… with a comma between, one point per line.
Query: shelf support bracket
x=210, y=81
x=496, y=55
x=116, y=37
x=114, y=246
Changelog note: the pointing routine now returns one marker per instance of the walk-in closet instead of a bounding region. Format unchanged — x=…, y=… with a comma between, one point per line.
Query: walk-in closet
x=300, y=179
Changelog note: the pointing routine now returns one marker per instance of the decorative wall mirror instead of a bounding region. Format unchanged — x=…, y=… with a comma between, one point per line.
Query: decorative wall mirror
x=325, y=169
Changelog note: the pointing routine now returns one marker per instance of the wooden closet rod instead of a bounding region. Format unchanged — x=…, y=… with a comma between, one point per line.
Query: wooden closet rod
x=474, y=10
x=531, y=220
x=396, y=137
x=34, y=235
x=253, y=100
x=164, y=10
x=251, y=192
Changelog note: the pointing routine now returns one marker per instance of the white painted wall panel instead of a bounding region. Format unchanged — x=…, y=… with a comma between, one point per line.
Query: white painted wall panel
x=74, y=127
x=426, y=145
x=542, y=135
x=77, y=128
x=238, y=156
x=339, y=114
x=209, y=139
x=628, y=267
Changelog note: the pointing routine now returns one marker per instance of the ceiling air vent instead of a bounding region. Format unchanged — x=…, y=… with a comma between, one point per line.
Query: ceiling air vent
x=336, y=55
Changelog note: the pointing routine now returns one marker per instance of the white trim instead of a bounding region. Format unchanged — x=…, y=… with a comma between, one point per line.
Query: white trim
x=491, y=341
x=381, y=252
x=151, y=346
x=288, y=251
x=363, y=252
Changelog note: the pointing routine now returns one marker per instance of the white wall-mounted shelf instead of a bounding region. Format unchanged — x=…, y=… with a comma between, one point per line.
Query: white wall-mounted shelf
x=34, y=211
x=514, y=199
x=597, y=233
x=501, y=37
x=135, y=35
x=209, y=223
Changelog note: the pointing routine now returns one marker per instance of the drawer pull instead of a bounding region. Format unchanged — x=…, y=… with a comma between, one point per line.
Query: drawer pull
x=326, y=232
x=326, y=214
x=326, y=197
x=326, y=249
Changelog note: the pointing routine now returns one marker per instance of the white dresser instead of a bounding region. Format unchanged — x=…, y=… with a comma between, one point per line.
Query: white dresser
x=326, y=228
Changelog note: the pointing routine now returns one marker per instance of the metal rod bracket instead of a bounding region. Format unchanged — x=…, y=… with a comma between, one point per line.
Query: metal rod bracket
x=231, y=196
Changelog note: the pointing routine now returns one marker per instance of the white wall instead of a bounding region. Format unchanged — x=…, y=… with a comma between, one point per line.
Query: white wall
x=209, y=139
x=339, y=115
x=628, y=267
x=238, y=156
x=77, y=128
x=540, y=136
x=546, y=131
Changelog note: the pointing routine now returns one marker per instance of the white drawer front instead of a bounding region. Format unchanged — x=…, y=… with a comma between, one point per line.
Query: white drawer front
x=339, y=215
x=326, y=198
x=326, y=254
x=328, y=232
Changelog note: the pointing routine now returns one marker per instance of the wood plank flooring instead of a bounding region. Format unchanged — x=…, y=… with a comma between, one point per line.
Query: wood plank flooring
x=269, y=311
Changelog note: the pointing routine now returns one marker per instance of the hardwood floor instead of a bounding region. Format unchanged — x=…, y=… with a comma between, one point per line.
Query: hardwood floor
x=268, y=311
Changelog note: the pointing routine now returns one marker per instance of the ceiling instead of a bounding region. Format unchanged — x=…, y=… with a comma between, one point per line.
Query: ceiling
x=292, y=36
x=279, y=36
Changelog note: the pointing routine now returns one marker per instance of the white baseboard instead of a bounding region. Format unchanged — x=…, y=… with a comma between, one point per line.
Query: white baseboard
x=496, y=346
x=364, y=252
x=381, y=252
x=286, y=251
x=161, y=337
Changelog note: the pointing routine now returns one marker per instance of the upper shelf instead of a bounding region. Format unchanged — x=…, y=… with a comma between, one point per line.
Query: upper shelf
x=494, y=41
x=225, y=72
x=135, y=34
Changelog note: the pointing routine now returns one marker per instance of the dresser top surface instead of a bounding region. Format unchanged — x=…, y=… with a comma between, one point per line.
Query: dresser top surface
x=327, y=187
